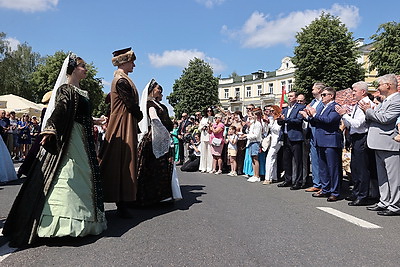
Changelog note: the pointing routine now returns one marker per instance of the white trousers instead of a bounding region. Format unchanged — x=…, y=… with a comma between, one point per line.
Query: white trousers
x=206, y=158
x=271, y=163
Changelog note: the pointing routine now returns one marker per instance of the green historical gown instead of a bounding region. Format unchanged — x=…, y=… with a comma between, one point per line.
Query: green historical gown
x=62, y=195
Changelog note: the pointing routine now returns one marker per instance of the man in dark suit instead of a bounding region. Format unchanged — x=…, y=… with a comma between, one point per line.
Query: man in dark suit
x=382, y=130
x=292, y=136
x=184, y=123
x=329, y=143
x=361, y=157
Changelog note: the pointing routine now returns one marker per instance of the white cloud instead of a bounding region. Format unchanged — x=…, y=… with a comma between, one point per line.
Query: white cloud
x=29, y=5
x=210, y=3
x=12, y=43
x=262, y=31
x=181, y=58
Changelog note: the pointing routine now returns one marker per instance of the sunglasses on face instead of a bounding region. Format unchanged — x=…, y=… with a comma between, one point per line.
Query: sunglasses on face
x=323, y=95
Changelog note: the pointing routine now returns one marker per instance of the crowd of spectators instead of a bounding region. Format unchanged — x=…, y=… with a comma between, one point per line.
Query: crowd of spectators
x=302, y=145
x=18, y=133
x=298, y=145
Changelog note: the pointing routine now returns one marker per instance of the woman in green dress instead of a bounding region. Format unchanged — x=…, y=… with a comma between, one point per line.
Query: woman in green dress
x=62, y=195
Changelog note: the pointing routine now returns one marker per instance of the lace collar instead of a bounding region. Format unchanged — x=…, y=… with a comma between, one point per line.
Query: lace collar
x=81, y=92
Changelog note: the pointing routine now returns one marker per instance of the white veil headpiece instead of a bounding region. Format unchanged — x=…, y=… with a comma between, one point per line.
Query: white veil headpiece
x=145, y=122
x=62, y=79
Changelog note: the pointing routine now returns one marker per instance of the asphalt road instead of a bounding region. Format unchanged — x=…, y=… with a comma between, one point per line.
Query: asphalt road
x=224, y=221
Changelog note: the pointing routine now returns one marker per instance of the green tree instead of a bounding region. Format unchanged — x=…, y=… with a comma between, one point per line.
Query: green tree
x=195, y=90
x=326, y=52
x=385, y=56
x=16, y=69
x=44, y=78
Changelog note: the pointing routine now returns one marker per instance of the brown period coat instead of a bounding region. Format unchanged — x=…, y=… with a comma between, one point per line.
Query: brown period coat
x=118, y=156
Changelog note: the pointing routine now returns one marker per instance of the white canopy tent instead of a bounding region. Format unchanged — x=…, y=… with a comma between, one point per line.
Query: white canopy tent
x=20, y=105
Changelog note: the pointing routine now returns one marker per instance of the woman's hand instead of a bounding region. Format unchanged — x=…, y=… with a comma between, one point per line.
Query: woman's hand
x=45, y=139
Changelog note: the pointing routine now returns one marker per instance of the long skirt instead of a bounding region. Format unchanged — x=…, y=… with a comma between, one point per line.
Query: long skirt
x=70, y=209
x=7, y=171
x=157, y=179
x=247, y=165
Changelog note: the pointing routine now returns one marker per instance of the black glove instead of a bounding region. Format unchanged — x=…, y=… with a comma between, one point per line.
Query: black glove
x=137, y=113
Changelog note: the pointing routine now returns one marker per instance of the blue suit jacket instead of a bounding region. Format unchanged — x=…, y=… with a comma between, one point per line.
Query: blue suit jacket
x=327, y=132
x=294, y=123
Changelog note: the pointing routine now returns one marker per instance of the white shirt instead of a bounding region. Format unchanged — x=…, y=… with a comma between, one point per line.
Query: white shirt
x=255, y=132
x=356, y=121
x=231, y=138
x=287, y=116
x=327, y=105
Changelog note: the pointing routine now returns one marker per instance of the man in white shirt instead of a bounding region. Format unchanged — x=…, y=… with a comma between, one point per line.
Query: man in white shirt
x=361, y=156
x=381, y=132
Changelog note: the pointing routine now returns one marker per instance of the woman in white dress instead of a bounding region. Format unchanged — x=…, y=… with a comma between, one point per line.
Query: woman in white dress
x=206, y=158
x=7, y=170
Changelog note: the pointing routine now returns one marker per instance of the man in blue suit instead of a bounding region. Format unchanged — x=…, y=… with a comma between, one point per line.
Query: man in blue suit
x=316, y=103
x=292, y=136
x=329, y=143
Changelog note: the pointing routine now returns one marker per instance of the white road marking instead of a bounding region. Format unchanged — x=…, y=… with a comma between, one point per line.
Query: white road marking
x=349, y=218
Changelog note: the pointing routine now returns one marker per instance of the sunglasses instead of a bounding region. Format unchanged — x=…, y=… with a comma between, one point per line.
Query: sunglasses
x=323, y=95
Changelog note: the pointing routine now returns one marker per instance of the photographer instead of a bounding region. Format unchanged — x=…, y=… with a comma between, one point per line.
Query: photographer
x=192, y=165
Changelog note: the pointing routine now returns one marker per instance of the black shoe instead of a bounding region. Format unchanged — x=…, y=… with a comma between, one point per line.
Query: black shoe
x=295, y=187
x=320, y=194
x=388, y=213
x=284, y=184
x=350, y=198
x=358, y=202
x=376, y=208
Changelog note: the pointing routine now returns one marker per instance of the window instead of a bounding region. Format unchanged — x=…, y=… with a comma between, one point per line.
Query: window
x=237, y=92
x=271, y=88
x=226, y=93
x=248, y=91
x=259, y=90
x=290, y=86
x=284, y=86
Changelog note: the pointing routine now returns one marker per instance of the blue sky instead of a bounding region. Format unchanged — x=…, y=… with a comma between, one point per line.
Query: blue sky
x=231, y=35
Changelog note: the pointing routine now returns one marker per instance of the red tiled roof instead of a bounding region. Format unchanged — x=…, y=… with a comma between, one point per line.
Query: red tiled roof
x=345, y=97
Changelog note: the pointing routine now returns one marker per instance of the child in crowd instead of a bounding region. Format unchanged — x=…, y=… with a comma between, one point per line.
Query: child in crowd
x=175, y=140
x=231, y=140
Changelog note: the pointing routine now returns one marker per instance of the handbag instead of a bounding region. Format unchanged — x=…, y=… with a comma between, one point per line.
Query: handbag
x=216, y=141
x=266, y=142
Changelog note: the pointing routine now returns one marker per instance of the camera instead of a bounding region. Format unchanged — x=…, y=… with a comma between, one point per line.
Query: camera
x=187, y=138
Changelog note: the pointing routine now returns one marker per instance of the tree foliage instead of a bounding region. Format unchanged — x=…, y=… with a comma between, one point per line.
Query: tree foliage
x=326, y=52
x=44, y=78
x=195, y=90
x=385, y=56
x=16, y=68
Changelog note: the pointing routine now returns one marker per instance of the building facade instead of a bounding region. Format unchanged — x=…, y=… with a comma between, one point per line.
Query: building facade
x=263, y=88
x=260, y=88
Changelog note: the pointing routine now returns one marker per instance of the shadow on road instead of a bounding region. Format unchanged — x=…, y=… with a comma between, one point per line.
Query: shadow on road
x=118, y=226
